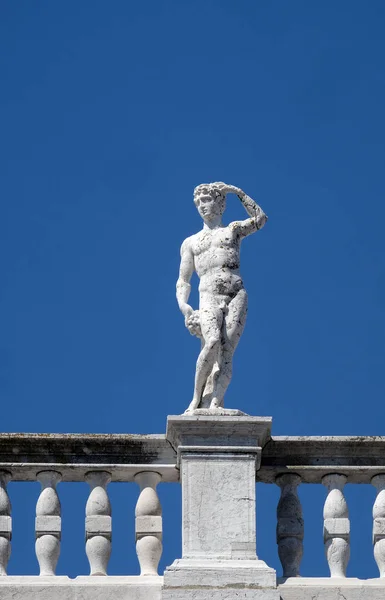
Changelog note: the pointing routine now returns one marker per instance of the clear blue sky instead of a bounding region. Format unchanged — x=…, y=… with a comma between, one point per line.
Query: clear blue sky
x=110, y=114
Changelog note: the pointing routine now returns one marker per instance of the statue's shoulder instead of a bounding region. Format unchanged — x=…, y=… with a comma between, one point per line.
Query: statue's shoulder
x=188, y=243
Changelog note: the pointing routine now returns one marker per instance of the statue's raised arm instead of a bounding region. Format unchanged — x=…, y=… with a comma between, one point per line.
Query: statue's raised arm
x=214, y=253
x=257, y=217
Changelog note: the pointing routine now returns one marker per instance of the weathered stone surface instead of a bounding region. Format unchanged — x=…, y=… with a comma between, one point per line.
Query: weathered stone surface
x=290, y=525
x=214, y=253
x=378, y=533
x=336, y=525
x=378, y=528
x=218, y=459
x=241, y=592
x=217, y=412
x=148, y=523
x=224, y=432
x=219, y=506
x=358, y=458
x=48, y=524
x=99, y=524
x=81, y=588
x=219, y=451
x=313, y=457
x=320, y=588
x=74, y=455
x=219, y=579
x=218, y=573
x=5, y=525
x=5, y=522
x=150, y=588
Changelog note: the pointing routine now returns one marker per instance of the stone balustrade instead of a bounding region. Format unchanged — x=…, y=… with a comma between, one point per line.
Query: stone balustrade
x=217, y=461
x=98, y=460
x=332, y=461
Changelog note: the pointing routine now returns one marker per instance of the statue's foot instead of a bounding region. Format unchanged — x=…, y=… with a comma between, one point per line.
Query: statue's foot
x=193, y=405
x=215, y=403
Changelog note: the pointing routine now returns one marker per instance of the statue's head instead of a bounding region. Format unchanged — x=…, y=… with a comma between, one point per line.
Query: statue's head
x=210, y=201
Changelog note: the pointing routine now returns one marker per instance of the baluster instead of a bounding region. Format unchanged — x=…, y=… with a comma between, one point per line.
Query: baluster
x=290, y=528
x=5, y=522
x=336, y=525
x=148, y=523
x=379, y=523
x=48, y=523
x=98, y=522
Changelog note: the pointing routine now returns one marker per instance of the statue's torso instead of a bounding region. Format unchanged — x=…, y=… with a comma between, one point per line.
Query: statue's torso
x=216, y=259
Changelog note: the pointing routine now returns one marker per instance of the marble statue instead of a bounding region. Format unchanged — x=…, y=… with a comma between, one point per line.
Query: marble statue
x=214, y=253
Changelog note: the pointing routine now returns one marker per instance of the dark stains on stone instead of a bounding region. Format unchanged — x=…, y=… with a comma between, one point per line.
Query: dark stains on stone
x=75, y=449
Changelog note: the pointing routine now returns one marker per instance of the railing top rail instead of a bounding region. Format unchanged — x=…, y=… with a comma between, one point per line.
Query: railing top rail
x=73, y=455
x=134, y=437
x=312, y=457
x=124, y=455
x=327, y=439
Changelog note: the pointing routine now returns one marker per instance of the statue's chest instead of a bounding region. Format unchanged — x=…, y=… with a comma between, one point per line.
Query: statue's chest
x=213, y=240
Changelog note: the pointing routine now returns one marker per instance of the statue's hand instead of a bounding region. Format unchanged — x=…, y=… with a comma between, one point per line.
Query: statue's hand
x=192, y=323
x=186, y=310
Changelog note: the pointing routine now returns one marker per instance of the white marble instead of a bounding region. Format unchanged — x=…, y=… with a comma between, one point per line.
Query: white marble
x=379, y=523
x=5, y=522
x=219, y=580
x=148, y=523
x=322, y=588
x=212, y=433
x=48, y=523
x=219, y=503
x=98, y=522
x=336, y=525
x=218, y=458
x=150, y=588
x=214, y=253
x=81, y=588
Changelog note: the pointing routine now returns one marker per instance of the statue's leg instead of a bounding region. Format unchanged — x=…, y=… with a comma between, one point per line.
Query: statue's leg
x=232, y=330
x=211, y=319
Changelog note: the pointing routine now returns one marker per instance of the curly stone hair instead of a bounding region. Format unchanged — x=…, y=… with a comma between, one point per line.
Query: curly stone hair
x=211, y=188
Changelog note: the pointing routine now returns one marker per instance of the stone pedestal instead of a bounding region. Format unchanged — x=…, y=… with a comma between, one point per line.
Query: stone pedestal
x=218, y=456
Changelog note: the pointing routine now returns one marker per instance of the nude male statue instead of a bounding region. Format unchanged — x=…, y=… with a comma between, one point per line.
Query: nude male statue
x=214, y=253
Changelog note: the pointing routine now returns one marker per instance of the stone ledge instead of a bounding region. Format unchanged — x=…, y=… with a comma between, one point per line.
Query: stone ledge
x=205, y=431
x=189, y=579
x=150, y=588
x=239, y=593
x=216, y=412
x=191, y=573
x=359, y=458
x=73, y=455
x=328, y=588
x=81, y=588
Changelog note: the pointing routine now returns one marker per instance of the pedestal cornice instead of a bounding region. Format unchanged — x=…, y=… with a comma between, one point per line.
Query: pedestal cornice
x=205, y=432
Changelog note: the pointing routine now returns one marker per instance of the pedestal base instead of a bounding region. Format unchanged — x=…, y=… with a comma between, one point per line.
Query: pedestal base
x=219, y=452
x=192, y=579
x=216, y=412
